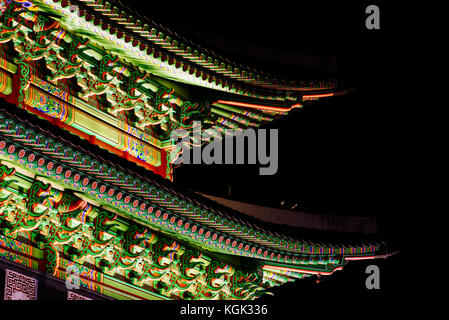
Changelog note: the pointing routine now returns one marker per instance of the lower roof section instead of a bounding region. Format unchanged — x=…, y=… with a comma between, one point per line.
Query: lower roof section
x=67, y=202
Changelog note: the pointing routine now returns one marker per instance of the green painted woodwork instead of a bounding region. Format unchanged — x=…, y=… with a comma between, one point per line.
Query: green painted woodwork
x=55, y=218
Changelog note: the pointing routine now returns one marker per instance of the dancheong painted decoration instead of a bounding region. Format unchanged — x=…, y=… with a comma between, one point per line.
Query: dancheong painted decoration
x=88, y=90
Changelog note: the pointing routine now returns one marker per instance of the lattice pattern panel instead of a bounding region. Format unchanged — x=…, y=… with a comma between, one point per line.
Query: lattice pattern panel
x=19, y=287
x=75, y=296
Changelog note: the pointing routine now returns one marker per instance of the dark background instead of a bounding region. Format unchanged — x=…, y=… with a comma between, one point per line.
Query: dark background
x=338, y=156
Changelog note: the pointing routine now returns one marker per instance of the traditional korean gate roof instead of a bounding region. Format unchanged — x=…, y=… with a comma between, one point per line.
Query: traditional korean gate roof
x=148, y=204
x=122, y=84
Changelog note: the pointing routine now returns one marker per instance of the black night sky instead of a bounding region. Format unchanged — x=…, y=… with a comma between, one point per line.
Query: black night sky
x=334, y=154
x=338, y=156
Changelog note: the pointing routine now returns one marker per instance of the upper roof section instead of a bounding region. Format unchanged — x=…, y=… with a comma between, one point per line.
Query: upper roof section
x=163, y=52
